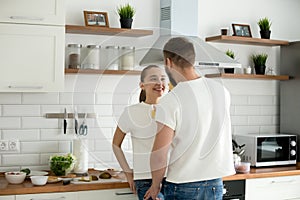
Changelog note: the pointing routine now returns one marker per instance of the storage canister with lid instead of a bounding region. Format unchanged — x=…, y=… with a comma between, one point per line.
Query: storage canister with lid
x=92, y=58
x=127, y=59
x=111, y=58
x=73, y=56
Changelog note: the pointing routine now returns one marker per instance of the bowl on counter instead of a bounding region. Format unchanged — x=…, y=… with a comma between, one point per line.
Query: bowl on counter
x=39, y=180
x=15, y=177
x=242, y=167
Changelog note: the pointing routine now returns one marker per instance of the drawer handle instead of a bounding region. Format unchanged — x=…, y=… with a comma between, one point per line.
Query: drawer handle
x=25, y=87
x=59, y=198
x=123, y=193
x=27, y=18
x=288, y=181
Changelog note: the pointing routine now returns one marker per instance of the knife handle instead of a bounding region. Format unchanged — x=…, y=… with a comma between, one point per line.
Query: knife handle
x=65, y=126
x=76, y=127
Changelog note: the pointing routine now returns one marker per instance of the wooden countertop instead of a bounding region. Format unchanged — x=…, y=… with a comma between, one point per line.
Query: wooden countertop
x=27, y=188
x=265, y=172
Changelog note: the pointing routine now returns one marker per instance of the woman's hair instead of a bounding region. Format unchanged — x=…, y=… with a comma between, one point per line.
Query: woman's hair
x=180, y=51
x=142, y=97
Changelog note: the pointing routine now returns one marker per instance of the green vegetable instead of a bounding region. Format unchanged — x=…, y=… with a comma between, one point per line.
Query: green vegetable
x=60, y=165
x=26, y=170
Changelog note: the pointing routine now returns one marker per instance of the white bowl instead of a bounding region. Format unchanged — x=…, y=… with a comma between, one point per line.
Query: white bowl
x=39, y=180
x=15, y=177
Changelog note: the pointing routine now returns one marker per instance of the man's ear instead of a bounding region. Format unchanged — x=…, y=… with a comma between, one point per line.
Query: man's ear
x=168, y=62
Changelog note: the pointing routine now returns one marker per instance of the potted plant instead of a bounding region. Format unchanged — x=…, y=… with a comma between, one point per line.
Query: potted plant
x=264, y=25
x=229, y=53
x=126, y=13
x=259, y=61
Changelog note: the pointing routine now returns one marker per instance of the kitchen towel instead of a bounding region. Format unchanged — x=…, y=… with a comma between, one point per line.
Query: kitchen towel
x=80, y=151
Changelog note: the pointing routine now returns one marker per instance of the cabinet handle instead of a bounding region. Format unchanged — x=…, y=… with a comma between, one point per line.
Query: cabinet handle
x=59, y=198
x=25, y=87
x=27, y=18
x=288, y=181
x=123, y=193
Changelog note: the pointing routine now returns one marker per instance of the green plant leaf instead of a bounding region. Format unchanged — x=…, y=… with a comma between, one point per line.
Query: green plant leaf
x=264, y=24
x=259, y=59
x=126, y=11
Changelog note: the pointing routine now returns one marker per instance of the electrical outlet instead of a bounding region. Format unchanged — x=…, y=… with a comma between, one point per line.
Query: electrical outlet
x=13, y=145
x=9, y=146
x=3, y=145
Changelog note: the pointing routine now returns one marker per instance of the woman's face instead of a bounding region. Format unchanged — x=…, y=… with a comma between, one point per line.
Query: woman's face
x=154, y=83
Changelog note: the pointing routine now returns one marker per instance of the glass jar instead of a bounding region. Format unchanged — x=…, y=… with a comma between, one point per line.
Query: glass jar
x=127, y=59
x=111, y=58
x=92, y=58
x=73, y=56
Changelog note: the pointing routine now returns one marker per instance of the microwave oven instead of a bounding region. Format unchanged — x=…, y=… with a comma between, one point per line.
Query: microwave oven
x=269, y=149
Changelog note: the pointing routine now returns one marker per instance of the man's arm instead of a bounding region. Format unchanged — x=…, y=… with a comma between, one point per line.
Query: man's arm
x=158, y=160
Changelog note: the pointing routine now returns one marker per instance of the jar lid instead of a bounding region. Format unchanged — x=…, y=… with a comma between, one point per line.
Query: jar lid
x=75, y=45
x=93, y=46
x=127, y=47
x=112, y=47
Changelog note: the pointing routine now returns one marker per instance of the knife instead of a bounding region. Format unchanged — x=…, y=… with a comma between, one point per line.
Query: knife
x=65, y=121
x=76, y=121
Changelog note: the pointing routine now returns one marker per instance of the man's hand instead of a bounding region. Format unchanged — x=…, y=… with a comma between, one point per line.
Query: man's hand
x=152, y=192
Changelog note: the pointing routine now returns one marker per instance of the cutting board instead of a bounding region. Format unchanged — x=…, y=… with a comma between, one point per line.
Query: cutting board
x=111, y=180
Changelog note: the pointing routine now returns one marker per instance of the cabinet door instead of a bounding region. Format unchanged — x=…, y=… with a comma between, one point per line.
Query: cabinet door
x=7, y=197
x=48, y=196
x=113, y=194
x=32, y=58
x=33, y=11
x=275, y=188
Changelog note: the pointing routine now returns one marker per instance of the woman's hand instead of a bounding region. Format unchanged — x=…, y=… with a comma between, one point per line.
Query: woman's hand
x=129, y=177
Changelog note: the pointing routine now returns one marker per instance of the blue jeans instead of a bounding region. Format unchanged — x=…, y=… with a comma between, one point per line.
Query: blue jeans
x=142, y=186
x=201, y=190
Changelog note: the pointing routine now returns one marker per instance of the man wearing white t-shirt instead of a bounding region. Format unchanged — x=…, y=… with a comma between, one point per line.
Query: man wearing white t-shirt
x=194, y=125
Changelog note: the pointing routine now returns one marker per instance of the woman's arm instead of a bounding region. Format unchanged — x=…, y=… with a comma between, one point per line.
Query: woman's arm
x=116, y=146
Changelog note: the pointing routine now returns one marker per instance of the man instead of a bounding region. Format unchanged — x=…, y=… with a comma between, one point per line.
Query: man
x=194, y=126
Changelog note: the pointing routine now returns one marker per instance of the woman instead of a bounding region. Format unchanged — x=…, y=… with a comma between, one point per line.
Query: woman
x=138, y=120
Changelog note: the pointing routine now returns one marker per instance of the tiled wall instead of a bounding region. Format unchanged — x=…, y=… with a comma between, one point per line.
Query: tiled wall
x=22, y=116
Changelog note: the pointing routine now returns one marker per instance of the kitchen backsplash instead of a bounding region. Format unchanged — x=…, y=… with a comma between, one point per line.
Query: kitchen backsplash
x=254, y=108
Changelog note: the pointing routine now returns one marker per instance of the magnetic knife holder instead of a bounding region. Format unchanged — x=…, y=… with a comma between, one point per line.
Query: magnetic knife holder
x=70, y=115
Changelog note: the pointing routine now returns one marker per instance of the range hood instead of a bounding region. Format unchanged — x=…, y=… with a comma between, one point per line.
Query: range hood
x=180, y=18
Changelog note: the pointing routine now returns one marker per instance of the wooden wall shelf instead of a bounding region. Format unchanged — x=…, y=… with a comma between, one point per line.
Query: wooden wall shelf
x=245, y=40
x=95, y=71
x=249, y=76
x=92, y=30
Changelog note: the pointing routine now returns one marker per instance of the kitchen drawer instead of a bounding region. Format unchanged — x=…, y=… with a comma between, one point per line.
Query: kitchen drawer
x=275, y=188
x=49, y=196
x=7, y=197
x=32, y=58
x=113, y=194
x=33, y=11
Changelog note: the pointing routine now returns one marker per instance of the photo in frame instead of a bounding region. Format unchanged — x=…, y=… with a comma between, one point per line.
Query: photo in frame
x=241, y=30
x=92, y=18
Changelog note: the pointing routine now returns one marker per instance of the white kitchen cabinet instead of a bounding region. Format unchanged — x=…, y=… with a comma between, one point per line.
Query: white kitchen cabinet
x=32, y=58
x=7, y=197
x=32, y=50
x=51, y=12
x=275, y=188
x=112, y=194
x=49, y=196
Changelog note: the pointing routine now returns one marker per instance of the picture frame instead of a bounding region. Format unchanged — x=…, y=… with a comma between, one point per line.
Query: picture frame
x=92, y=18
x=242, y=30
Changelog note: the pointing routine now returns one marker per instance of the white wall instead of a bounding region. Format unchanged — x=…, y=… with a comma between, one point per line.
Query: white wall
x=255, y=103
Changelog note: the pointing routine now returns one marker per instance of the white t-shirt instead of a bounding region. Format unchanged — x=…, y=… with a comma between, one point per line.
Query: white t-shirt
x=138, y=121
x=198, y=112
